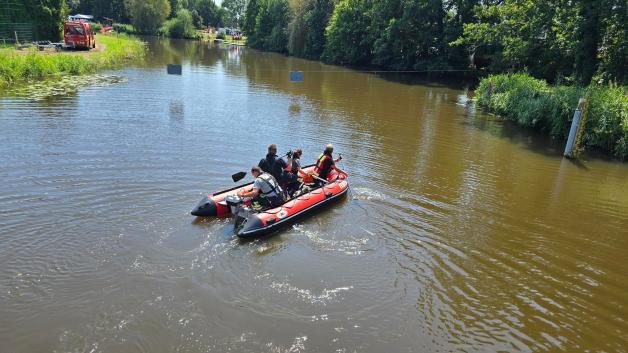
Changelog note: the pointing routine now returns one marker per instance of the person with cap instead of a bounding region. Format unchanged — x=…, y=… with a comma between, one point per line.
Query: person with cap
x=326, y=164
x=266, y=191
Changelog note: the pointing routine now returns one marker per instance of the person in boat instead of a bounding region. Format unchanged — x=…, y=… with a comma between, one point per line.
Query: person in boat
x=292, y=177
x=326, y=163
x=275, y=165
x=266, y=191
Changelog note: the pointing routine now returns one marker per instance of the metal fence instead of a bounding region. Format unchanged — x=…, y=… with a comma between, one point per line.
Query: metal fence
x=13, y=26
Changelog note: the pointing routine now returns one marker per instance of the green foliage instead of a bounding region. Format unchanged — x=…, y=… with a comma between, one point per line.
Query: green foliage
x=208, y=11
x=181, y=26
x=95, y=27
x=123, y=28
x=45, y=17
x=414, y=39
x=297, y=30
x=250, y=17
x=552, y=39
x=347, y=34
x=271, y=26
x=532, y=103
x=36, y=65
x=306, y=30
x=609, y=129
x=113, y=9
x=613, y=50
x=234, y=12
x=147, y=16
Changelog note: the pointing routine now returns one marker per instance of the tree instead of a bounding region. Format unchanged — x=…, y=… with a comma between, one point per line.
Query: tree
x=148, y=15
x=182, y=25
x=613, y=51
x=271, y=26
x=347, y=34
x=114, y=9
x=47, y=16
x=234, y=12
x=525, y=35
x=307, y=27
x=250, y=17
x=588, y=40
x=208, y=11
x=297, y=29
x=414, y=41
x=316, y=21
x=574, y=39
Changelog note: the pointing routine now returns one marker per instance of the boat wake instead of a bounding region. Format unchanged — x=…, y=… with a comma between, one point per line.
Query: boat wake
x=366, y=194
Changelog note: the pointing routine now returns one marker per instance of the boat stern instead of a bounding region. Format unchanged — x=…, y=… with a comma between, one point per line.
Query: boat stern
x=253, y=227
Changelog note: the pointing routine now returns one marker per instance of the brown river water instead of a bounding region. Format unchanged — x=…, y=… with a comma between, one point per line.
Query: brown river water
x=460, y=232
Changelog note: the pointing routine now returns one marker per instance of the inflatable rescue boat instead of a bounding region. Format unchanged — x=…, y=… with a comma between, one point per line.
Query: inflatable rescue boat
x=251, y=224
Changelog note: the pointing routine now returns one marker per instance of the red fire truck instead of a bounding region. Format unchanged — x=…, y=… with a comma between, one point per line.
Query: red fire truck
x=78, y=35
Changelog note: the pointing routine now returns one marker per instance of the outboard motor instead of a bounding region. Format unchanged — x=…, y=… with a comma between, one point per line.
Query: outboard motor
x=239, y=210
x=233, y=201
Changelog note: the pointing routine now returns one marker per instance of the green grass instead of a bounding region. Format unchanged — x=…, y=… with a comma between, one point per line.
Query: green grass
x=534, y=103
x=33, y=65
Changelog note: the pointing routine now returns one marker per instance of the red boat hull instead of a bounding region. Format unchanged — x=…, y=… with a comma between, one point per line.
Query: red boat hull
x=262, y=223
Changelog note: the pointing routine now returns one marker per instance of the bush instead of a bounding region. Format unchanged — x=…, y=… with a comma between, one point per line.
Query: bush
x=96, y=27
x=531, y=102
x=123, y=28
x=148, y=16
x=181, y=26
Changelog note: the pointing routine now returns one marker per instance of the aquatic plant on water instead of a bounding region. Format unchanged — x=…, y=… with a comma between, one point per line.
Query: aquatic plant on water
x=65, y=86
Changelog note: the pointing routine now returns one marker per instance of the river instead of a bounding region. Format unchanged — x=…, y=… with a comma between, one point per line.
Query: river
x=460, y=232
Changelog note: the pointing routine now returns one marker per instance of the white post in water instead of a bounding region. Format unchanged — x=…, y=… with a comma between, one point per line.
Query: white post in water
x=573, y=132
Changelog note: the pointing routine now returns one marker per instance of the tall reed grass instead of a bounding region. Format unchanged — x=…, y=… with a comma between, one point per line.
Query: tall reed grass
x=17, y=66
x=533, y=103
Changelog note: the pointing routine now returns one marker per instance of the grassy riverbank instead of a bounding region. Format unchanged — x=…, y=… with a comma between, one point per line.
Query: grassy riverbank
x=30, y=64
x=533, y=103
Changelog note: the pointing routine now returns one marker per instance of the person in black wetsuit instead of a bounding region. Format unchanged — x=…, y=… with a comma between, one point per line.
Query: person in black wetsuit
x=276, y=166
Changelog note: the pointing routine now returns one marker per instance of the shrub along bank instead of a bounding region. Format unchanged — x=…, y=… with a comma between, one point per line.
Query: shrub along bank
x=533, y=103
x=17, y=65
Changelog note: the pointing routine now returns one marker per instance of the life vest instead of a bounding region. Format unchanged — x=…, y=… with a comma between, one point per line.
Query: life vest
x=275, y=189
x=319, y=165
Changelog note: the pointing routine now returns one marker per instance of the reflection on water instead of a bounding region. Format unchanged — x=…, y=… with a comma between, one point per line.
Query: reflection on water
x=461, y=232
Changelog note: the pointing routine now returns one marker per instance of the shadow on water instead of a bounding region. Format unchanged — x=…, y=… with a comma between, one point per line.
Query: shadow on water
x=527, y=138
x=531, y=139
x=458, y=81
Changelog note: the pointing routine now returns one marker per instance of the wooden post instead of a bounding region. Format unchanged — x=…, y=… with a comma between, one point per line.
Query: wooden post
x=575, y=127
x=17, y=42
